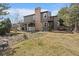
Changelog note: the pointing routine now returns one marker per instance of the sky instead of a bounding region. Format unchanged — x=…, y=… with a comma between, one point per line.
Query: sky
x=18, y=10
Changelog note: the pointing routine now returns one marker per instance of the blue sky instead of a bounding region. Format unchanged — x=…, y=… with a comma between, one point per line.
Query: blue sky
x=22, y=9
x=49, y=6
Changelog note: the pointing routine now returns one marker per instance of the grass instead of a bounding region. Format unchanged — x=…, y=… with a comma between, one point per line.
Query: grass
x=48, y=44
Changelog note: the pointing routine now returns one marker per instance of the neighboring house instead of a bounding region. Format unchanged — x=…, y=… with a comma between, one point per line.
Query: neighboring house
x=40, y=21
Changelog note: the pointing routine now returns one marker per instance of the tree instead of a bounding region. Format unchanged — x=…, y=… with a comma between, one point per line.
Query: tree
x=3, y=7
x=61, y=22
x=5, y=25
x=75, y=15
x=8, y=25
x=64, y=15
x=70, y=15
x=2, y=27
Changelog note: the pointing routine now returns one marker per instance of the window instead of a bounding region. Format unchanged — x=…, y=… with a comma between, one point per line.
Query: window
x=45, y=24
x=45, y=15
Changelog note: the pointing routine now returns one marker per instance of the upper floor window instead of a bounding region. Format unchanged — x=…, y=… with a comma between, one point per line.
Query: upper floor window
x=45, y=15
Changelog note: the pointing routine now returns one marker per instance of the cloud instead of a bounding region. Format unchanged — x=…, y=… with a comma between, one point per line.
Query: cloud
x=17, y=14
x=22, y=12
x=54, y=12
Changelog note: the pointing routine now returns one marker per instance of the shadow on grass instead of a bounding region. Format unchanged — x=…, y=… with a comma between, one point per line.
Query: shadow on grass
x=8, y=52
x=66, y=32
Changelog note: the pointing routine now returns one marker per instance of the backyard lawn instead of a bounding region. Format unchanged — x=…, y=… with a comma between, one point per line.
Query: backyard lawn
x=48, y=44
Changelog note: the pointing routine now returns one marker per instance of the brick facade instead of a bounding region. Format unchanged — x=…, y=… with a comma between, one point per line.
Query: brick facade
x=38, y=24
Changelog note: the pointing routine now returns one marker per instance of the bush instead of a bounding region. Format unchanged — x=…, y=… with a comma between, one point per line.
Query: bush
x=5, y=26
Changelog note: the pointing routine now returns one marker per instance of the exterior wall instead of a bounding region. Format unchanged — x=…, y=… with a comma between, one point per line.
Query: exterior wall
x=28, y=19
x=45, y=18
x=55, y=21
x=45, y=26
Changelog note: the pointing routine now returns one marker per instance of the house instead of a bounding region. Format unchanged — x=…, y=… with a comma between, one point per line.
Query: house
x=40, y=21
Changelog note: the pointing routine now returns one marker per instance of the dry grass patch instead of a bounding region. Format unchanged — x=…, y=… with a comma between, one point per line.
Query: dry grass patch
x=47, y=43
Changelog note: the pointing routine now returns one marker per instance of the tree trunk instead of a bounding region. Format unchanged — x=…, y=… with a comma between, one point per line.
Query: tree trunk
x=75, y=28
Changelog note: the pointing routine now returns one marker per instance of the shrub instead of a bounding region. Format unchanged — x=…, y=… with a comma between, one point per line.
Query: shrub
x=5, y=26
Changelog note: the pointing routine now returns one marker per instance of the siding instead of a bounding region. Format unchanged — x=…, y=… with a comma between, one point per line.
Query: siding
x=28, y=19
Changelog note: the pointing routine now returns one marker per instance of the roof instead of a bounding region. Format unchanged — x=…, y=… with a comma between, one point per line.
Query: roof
x=54, y=16
x=34, y=14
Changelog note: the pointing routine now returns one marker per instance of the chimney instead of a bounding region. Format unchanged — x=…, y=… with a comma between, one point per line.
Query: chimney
x=38, y=19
